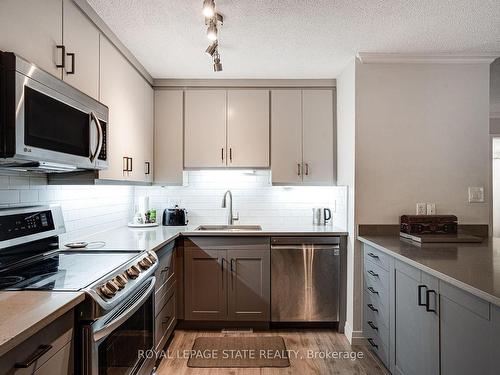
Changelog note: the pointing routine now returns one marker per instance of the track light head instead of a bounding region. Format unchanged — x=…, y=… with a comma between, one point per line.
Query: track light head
x=208, y=8
x=212, y=32
x=212, y=48
x=217, y=63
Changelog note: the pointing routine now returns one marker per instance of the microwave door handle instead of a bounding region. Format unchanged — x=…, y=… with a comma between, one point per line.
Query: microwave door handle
x=115, y=323
x=93, y=116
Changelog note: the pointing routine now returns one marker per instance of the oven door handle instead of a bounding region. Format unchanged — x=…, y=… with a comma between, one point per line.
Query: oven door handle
x=115, y=323
x=93, y=116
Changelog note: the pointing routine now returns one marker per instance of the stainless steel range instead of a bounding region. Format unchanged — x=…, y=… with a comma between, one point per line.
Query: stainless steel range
x=116, y=320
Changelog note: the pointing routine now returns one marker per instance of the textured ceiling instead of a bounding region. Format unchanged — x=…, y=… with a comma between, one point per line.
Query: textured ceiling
x=294, y=38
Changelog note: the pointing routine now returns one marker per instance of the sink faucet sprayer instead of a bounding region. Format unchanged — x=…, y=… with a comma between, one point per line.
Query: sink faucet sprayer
x=230, y=218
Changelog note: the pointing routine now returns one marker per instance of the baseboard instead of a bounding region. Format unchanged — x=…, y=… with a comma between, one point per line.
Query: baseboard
x=354, y=337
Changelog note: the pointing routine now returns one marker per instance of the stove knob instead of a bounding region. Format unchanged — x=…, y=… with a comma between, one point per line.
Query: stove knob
x=107, y=292
x=145, y=263
x=112, y=286
x=152, y=256
x=120, y=281
x=133, y=272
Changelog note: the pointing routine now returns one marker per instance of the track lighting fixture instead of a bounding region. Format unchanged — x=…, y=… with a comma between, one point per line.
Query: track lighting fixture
x=213, y=20
x=208, y=8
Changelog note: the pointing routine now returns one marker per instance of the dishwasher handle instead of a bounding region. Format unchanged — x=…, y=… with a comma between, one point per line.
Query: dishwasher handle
x=336, y=248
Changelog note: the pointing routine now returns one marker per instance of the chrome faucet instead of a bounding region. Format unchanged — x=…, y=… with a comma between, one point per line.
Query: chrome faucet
x=230, y=217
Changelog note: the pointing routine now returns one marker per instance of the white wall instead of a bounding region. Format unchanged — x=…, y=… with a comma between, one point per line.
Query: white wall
x=86, y=209
x=346, y=121
x=256, y=201
x=495, y=89
x=422, y=135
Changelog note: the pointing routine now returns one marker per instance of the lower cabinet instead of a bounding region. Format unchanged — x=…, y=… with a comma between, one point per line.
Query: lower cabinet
x=227, y=279
x=165, y=295
x=47, y=352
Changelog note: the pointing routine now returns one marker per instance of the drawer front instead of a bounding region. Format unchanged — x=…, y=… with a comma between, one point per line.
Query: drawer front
x=166, y=268
x=382, y=351
x=376, y=256
x=374, y=325
x=376, y=276
x=60, y=363
x=373, y=303
x=376, y=290
x=165, y=321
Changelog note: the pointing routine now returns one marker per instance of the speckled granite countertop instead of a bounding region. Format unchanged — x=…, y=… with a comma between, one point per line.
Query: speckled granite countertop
x=474, y=267
x=125, y=238
x=25, y=312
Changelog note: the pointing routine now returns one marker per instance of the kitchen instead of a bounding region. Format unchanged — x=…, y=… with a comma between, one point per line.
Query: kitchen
x=249, y=201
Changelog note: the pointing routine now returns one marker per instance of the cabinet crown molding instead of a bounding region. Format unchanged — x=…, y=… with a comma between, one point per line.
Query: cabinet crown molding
x=244, y=83
x=437, y=58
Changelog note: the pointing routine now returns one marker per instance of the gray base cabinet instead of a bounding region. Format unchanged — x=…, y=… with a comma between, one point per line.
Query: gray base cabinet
x=227, y=279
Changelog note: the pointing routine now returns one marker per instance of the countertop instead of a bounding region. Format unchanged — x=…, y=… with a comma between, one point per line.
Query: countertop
x=25, y=312
x=125, y=238
x=473, y=267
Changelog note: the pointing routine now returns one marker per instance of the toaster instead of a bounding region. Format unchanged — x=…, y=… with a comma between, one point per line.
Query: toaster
x=175, y=216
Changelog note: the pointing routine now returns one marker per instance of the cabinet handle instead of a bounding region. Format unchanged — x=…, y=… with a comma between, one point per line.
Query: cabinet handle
x=420, y=303
x=164, y=269
x=222, y=267
x=372, y=290
x=232, y=274
x=40, y=351
x=371, y=255
x=222, y=154
x=307, y=169
x=370, y=323
x=72, y=69
x=130, y=170
x=298, y=169
x=427, y=304
x=373, y=273
x=230, y=154
x=125, y=164
x=63, y=56
x=372, y=343
x=372, y=308
x=148, y=167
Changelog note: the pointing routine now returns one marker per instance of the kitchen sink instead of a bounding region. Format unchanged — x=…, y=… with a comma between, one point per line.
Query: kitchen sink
x=230, y=228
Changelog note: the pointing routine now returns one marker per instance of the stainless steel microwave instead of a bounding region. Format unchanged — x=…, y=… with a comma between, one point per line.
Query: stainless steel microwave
x=47, y=125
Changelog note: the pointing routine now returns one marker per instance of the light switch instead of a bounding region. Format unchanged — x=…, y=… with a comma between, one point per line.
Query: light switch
x=476, y=194
x=431, y=208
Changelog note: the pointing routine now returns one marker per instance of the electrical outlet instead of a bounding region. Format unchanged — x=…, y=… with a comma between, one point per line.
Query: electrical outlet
x=421, y=209
x=431, y=208
x=476, y=194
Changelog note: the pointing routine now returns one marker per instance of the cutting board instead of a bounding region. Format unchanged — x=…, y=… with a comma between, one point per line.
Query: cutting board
x=442, y=238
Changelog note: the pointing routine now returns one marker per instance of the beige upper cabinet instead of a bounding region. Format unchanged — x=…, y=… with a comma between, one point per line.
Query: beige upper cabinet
x=302, y=137
x=168, y=139
x=319, y=157
x=205, y=129
x=148, y=140
x=81, y=39
x=286, y=136
x=248, y=128
x=33, y=29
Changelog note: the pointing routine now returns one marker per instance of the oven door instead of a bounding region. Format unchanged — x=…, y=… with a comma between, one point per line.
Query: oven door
x=117, y=342
x=51, y=126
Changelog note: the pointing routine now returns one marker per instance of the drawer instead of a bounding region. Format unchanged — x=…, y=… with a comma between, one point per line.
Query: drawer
x=373, y=303
x=166, y=270
x=376, y=289
x=42, y=347
x=165, y=321
x=60, y=363
x=379, y=349
x=373, y=325
x=376, y=256
x=376, y=276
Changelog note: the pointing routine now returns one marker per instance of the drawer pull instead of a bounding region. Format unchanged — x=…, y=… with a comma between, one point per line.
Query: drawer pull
x=370, y=323
x=373, y=273
x=372, y=343
x=372, y=308
x=371, y=255
x=165, y=269
x=372, y=290
x=427, y=305
x=40, y=351
x=420, y=287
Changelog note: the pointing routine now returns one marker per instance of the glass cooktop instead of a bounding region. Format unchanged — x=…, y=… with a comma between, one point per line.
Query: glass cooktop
x=65, y=271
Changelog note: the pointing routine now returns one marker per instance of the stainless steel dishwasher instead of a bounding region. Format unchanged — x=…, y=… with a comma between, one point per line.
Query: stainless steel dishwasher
x=305, y=277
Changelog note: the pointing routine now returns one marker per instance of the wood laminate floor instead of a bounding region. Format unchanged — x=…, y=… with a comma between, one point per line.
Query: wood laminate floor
x=308, y=343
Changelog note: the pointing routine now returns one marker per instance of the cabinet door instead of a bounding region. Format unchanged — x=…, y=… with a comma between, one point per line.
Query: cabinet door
x=33, y=29
x=416, y=330
x=249, y=285
x=319, y=156
x=205, y=284
x=148, y=109
x=286, y=136
x=248, y=128
x=81, y=37
x=205, y=129
x=495, y=338
x=116, y=88
x=168, y=136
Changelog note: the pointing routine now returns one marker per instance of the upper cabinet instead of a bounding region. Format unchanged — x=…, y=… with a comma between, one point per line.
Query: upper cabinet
x=226, y=128
x=248, y=128
x=303, y=137
x=81, y=43
x=33, y=29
